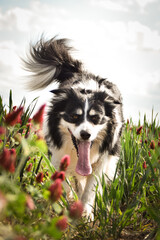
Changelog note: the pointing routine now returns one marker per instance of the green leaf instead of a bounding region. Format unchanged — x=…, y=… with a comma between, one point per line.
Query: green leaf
x=10, y=101
x=41, y=145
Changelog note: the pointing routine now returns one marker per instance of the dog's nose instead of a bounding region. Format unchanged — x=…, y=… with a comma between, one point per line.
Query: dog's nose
x=85, y=135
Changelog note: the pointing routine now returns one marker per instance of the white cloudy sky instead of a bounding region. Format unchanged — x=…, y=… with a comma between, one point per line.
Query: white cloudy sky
x=117, y=39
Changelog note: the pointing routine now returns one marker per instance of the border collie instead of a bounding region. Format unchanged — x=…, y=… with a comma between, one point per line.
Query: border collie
x=85, y=118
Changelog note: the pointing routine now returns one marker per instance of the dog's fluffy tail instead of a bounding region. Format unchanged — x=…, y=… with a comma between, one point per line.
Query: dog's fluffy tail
x=50, y=61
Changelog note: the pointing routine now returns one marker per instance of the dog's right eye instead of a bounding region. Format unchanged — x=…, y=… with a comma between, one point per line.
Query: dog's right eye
x=75, y=116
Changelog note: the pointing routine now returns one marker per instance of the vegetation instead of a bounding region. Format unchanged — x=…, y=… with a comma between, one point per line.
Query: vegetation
x=34, y=205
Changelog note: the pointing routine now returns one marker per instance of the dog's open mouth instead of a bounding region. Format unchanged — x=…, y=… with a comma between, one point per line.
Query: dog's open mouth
x=83, y=167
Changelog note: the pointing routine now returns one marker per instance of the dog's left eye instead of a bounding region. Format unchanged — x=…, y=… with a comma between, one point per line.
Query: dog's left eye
x=95, y=119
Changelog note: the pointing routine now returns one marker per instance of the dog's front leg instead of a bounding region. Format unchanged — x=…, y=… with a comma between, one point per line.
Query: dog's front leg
x=88, y=196
x=107, y=164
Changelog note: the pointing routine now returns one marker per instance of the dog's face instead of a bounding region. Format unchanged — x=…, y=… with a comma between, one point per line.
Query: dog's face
x=84, y=115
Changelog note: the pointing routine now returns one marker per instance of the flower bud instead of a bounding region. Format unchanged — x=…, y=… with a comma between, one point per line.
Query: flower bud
x=57, y=174
x=28, y=169
x=76, y=210
x=152, y=144
x=38, y=117
x=139, y=130
x=14, y=117
x=62, y=223
x=65, y=161
x=8, y=159
x=144, y=165
x=39, y=177
x=56, y=190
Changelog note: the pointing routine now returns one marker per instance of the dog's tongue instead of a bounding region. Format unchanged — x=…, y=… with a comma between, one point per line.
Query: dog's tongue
x=83, y=165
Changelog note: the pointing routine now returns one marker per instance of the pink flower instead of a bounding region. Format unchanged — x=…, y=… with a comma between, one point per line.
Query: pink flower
x=144, y=165
x=39, y=177
x=65, y=161
x=14, y=117
x=62, y=223
x=76, y=210
x=57, y=174
x=30, y=203
x=139, y=130
x=152, y=144
x=56, y=190
x=28, y=169
x=8, y=159
x=38, y=117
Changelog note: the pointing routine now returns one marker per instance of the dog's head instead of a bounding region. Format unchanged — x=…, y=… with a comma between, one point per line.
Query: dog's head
x=84, y=115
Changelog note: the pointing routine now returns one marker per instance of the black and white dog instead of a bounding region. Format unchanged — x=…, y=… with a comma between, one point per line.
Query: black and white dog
x=85, y=118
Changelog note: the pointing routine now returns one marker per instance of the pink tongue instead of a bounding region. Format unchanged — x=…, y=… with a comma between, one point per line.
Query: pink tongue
x=83, y=165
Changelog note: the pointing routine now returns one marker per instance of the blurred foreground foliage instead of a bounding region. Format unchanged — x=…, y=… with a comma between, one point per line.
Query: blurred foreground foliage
x=34, y=205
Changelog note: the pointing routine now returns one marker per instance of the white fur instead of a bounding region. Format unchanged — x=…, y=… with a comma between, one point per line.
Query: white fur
x=90, y=85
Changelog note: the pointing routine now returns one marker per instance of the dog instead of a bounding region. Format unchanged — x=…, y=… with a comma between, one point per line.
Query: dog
x=85, y=118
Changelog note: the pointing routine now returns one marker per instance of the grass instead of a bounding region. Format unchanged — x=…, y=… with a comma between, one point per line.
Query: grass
x=127, y=208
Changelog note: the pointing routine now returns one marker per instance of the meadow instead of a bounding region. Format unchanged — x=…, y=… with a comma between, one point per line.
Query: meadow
x=34, y=205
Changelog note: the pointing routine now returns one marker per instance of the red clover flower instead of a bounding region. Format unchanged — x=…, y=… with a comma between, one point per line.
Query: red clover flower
x=62, y=223
x=65, y=161
x=60, y=175
x=39, y=177
x=55, y=190
x=139, y=130
x=76, y=210
x=14, y=117
x=38, y=117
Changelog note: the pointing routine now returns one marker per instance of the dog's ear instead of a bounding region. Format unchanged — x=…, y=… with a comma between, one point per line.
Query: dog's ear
x=58, y=91
x=104, y=97
x=51, y=61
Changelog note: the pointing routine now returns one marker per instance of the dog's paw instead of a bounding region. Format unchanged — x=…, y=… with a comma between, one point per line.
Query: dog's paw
x=88, y=212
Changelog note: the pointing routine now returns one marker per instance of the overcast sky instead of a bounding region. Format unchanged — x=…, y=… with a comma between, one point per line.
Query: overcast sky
x=116, y=39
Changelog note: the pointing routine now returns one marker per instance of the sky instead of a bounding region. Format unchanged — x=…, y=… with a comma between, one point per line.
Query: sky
x=116, y=39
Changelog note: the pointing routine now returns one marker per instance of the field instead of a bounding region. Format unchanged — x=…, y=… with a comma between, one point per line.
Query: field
x=34, y=205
